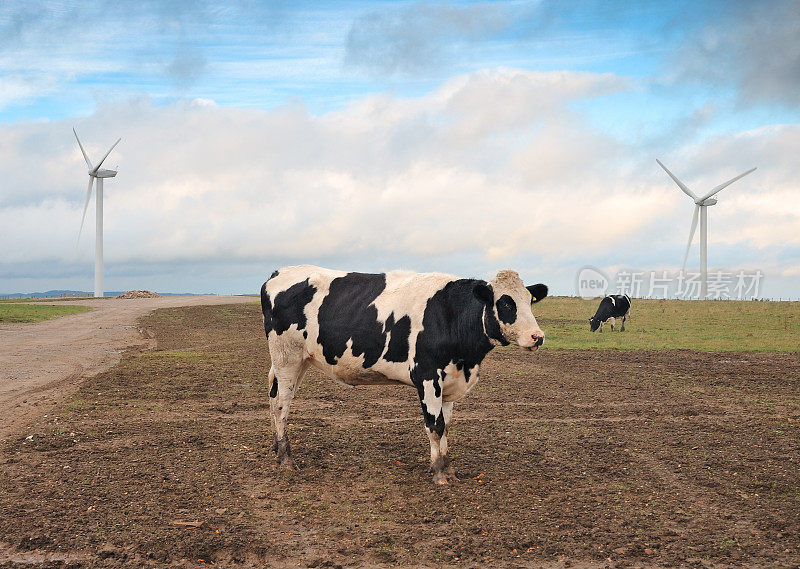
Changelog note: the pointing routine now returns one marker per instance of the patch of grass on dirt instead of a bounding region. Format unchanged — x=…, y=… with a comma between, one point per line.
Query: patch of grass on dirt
x=187, y=356
x=44, y=299
x=648, y=458
x=708, y=326
x=13, y=312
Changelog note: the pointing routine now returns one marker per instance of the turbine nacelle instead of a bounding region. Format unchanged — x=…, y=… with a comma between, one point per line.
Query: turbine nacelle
x=706, y=203
x=107, y=174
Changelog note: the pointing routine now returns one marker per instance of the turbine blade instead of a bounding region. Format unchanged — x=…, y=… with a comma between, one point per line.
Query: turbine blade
x=96, y=168
x=681, y=185
x=726, y=184
x=88, y=163
x=85, y=207
x=691, y=236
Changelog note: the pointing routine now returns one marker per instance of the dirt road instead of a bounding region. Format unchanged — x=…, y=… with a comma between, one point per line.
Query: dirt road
x=42, y=362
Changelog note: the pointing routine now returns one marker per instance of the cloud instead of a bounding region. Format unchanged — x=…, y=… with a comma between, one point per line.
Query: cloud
x=16, y=20
x=491, y=169
x=752, y=46
x=421, y=39
x=432, y=175
x=16, y=87
x=186, y=67
x=418, y=37
x=762, y=209
x=97, y=42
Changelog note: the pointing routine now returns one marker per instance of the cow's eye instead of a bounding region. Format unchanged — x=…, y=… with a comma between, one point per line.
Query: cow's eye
x=506, y=309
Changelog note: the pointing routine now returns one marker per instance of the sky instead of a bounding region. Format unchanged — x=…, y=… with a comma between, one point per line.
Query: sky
x=458, y=137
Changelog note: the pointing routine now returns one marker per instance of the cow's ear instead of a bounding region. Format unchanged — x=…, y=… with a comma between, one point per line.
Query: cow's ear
x=484, y=293
x=538, y=292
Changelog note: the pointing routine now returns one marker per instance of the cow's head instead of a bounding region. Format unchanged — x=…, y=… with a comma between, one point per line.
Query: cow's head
x=509, y=301
x=594, y=324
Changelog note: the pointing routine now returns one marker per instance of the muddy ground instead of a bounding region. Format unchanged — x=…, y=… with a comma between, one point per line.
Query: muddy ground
x=566, y=458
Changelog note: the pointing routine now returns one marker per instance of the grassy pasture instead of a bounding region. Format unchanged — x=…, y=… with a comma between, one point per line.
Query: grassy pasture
x=707, y=326
x=43, y=299
x=26, y=313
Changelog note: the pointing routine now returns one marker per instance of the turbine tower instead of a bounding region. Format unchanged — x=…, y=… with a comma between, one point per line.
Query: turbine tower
x=96, y=173
x=701, y=205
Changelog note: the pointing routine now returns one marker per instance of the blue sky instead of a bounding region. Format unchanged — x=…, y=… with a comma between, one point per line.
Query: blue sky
x=462, y=137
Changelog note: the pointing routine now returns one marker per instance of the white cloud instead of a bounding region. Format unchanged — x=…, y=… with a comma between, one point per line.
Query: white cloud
x=490, y=170
x=418, y=37
x=16, y=87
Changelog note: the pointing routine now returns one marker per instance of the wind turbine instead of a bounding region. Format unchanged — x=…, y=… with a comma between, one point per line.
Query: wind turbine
x=701, y=205
x=96, y=173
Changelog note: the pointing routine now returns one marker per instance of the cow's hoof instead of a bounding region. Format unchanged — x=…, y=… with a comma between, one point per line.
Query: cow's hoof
x=441, y=479
x=286, y=463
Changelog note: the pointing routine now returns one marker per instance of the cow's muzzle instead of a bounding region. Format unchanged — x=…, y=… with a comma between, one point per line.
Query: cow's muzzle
x=538, y=340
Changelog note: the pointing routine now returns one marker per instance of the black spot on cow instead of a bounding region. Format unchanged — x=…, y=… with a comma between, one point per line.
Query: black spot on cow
x=347, y=314
x=274, y=274
x=507, y=309
x=433, y=423
x=266, y=309
x=484, y=293
x=436, y=425
x=492, y=325
x=399, y=333
x=273, y=392
x=437, y=383
x=453, y=331
x=289, y=306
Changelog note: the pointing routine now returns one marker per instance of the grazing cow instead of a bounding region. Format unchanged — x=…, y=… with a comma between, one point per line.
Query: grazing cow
x=426, y=330
x=611, y=307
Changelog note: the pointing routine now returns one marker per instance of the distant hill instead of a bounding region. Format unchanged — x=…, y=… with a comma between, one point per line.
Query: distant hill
x=68, y=293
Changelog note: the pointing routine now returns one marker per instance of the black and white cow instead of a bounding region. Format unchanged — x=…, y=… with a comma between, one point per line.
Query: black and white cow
x=611, y=307
x=427, y=330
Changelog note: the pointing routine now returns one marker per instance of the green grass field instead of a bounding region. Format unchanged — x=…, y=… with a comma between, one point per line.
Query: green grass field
x=675, y=324
x=16, y=312
x=44, y=299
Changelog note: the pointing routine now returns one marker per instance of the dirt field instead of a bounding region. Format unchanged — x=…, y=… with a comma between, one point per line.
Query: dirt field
x=566, y=458
x=42, y=362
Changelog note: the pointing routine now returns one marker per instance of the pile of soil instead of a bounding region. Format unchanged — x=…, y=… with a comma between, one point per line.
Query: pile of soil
x=139, y=294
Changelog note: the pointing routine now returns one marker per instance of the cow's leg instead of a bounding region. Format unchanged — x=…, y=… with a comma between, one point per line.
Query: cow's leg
x=433, y=411
x=624, y=318
x=447, y=412
x=613, y=321
x=284, y=381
